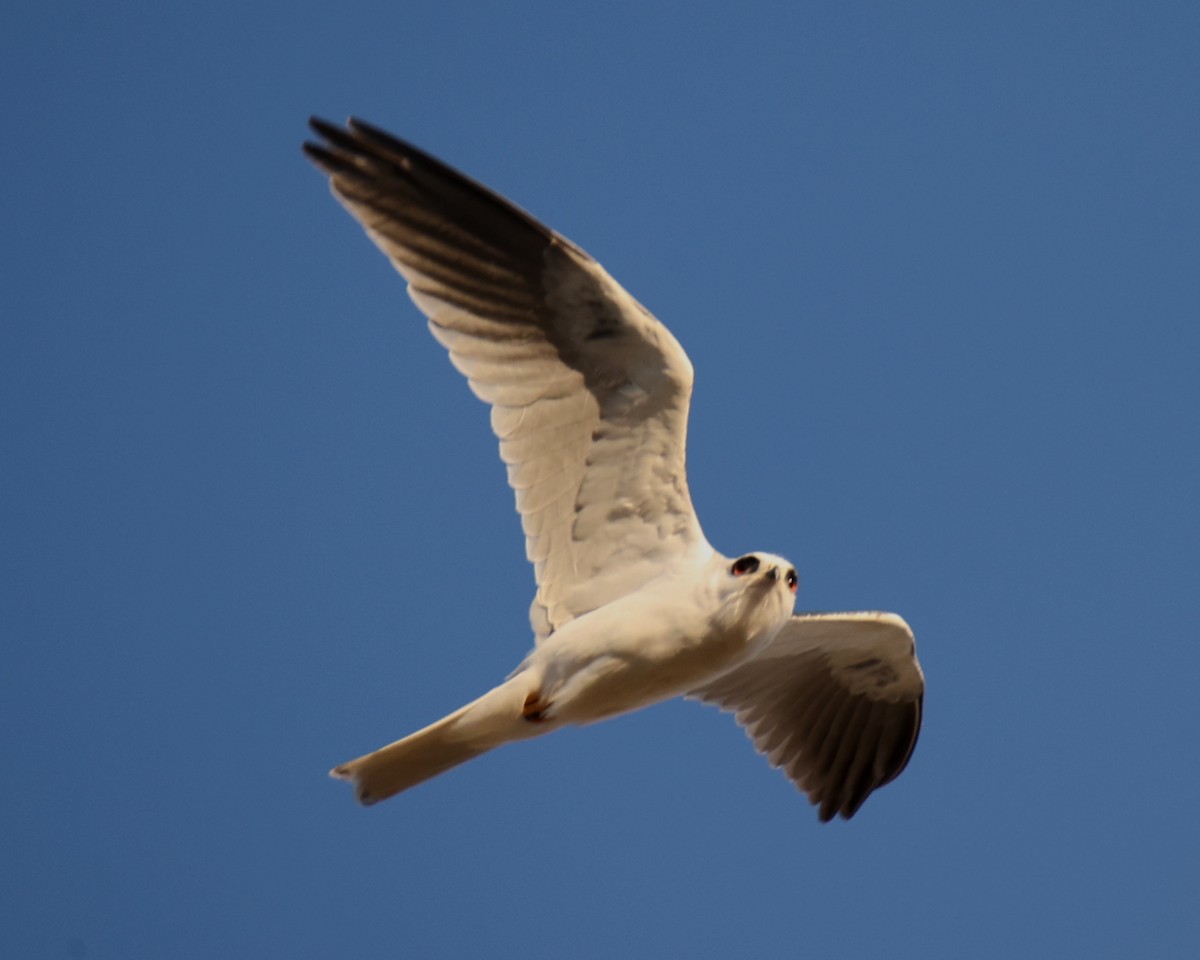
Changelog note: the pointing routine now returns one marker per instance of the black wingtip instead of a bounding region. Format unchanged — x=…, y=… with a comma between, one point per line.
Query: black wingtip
x=320, y=126
x=357, y=140
x=318, y=153
x=371, y=167
x=332, y=157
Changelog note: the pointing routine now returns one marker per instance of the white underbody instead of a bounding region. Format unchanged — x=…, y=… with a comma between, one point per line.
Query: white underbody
x=682, y=629
x=686, y=627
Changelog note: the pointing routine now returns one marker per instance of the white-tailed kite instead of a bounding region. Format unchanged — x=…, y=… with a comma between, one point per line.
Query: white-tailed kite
x=589, y=396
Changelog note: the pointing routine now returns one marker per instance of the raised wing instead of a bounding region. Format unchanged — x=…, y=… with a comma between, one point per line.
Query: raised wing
x=589, y=392
x=834, y=701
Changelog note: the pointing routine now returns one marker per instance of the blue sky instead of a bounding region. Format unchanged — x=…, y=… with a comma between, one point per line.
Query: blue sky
x=936, y=265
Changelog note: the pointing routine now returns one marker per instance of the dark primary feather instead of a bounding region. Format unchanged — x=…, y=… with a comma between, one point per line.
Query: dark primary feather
x=589, y=392
x=835, y=702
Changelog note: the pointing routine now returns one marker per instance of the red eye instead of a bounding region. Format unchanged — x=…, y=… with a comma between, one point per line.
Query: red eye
x=744, y=565
x=792, y=580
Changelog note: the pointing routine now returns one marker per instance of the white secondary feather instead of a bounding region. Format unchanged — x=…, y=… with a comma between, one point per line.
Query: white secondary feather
x=589, y=392
x=589, y=397
x=834, y=700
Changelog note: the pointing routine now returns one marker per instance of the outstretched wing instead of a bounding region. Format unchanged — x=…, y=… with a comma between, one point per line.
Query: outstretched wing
x=834, y=701
x=589, y=392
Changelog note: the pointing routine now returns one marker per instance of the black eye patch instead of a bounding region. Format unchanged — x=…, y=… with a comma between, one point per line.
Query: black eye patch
x=744, y=565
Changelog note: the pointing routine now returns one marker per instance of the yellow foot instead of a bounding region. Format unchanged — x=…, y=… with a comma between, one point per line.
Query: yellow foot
x=535, y=708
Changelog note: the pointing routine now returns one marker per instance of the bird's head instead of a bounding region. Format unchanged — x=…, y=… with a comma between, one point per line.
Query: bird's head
x=760, y=589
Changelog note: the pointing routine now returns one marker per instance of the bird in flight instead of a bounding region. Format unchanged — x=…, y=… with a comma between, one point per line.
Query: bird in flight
x=589, y=398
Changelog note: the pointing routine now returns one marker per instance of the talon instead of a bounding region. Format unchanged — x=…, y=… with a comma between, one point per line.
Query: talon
x=535, y=708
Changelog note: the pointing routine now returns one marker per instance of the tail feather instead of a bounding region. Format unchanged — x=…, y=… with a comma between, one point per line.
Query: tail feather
x=471, y=731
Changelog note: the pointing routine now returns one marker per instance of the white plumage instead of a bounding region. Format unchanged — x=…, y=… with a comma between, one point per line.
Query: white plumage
x=589, y=396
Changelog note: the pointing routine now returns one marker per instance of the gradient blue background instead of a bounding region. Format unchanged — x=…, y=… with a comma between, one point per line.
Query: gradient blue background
x=938, y=268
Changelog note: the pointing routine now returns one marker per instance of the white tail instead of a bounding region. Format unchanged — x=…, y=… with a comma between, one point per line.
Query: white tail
x=471, y=731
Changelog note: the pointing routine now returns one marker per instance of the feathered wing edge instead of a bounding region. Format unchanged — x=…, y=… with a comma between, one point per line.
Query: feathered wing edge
x=589, y=392
x=835, y=702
